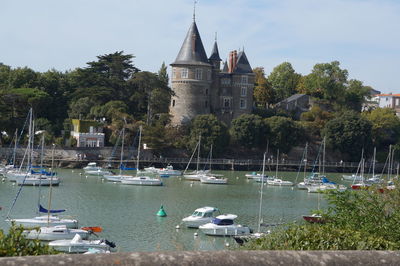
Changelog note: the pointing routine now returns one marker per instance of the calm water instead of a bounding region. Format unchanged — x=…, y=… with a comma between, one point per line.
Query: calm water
x=128, y=213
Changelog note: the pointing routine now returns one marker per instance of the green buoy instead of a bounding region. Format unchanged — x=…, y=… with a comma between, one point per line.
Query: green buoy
x=161, y=212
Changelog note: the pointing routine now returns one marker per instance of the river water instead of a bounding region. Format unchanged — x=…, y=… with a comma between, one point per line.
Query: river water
x=127, y=213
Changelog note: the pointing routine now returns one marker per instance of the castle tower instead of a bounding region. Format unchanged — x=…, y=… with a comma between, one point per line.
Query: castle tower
x=215, y=61
x=191, y=80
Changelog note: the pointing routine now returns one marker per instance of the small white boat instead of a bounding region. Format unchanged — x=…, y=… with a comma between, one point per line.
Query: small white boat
x=141, y=181
x=152, y=169
x=115, y=178
x=98, y=172
x=195, y=175
x=278, y=182
x=36, y=180
x=77, y=245
x=55, y=233
x=223, y=225
x=211, y=179
x=199, y=217
x=325, y=187
x=254, y=175
x=169, y=171
x=92, y=166
x=352, y=177
x=41, y=221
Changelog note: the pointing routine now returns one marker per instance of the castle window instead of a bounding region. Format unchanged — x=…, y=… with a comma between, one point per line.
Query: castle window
x=227, y=102
x=206, y=104
x=184, y=73
x=242, y=104
x=173, y=103
x=199, y=74
x=243, y=91
x=225, y=81
x=244, y=79
x=173, y=73
x=206, y=91
x=209, y=75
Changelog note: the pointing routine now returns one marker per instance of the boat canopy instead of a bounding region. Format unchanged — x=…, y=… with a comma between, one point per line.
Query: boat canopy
x=123, y=167
x=43, y=172
x=44, y=210
x=326, y=181
x=222, y=221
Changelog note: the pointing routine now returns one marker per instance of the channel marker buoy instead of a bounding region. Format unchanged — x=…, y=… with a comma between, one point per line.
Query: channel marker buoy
x=161, y=212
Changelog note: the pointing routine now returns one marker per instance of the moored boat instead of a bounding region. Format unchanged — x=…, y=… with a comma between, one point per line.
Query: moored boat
x=50, y=233
x=199, y=217
x=223, y=225
x=77, y=245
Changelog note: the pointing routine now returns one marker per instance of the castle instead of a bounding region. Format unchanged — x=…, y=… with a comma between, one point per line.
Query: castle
x=201, y=87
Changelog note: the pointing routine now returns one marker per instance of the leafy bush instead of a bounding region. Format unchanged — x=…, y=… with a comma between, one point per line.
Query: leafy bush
x=355, y=220
x=15, y=244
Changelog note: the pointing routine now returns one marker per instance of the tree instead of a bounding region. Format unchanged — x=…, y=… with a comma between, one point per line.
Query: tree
x=349, y=133
x=263, y=93
x=385, y=126
x=355, y=95
x=284, y=133
x=284, y=80
x=326, y=81
x=314, y=120
x=249, y=130
x=212, y=132
x=80, y=109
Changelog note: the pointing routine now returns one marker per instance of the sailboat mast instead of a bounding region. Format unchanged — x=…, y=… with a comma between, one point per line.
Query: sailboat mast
x=305, y=160
x=323, y=157
x=277, y=163
x=389, y=163
x=198, y=155
x=15, y=146
x=51, y=184
x=41, y=167
x=122, y=151
x=392, y=162
x=373, y=163
x=261, y=195
x=138, y=151
x=211, y=150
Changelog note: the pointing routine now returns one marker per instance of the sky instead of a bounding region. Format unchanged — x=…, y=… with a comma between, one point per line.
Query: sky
x=363, y=35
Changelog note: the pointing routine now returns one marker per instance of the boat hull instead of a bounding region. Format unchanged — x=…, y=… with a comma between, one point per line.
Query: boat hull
x=54, y=235
x=142, y=182
x=224, y=230
x=42, y=221
x=68, y=247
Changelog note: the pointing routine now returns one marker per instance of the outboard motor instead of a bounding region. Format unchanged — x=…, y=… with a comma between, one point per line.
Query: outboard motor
x=111, y=244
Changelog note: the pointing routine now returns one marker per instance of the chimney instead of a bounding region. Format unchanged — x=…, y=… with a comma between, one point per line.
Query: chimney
x=234, y=60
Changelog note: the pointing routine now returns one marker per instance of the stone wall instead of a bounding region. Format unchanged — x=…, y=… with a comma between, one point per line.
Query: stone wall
x=221, y=258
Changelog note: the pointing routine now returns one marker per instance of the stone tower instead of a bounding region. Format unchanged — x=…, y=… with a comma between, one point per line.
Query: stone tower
x=191, y=80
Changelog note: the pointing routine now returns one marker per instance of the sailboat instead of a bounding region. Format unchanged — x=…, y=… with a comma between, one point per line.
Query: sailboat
x=197, y=174
x=118, y=177
x=275, y=181
x=213, y=178
x=49, y=219
x=140, y=180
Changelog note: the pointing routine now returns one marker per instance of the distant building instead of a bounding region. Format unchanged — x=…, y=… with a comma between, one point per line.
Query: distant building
x=389, y=100
x=88, y=133
x=201, y=87
x=296, y=104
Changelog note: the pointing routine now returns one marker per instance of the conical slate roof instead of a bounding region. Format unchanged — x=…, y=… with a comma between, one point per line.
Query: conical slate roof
x=242, y=64
x=192, y=51
x=214, y=53
x=225, y=69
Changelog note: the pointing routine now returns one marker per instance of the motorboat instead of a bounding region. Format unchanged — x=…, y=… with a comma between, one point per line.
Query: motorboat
x=77, y=245
x=152, y=169
x=314, y=218
x=352, y=177
x=169, y=171
x=325, y=187
x=211, y=179
x=223, y=225
x=278, y=182
x=254, y=175
x=45, y=220
x=141, y=181
x=50, y=233
x=313, y=179
x=199, y=217
x=92, y=166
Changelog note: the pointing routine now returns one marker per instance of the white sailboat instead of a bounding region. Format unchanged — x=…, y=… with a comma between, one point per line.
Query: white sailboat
x=140, y=180
x=275, y=181
x=117, y=178
x=211, y=178
x=197, y=174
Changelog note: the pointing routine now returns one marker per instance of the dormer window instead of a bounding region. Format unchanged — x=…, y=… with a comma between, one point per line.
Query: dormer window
x=225, y=81
x=184, y=73
x=244, y=79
